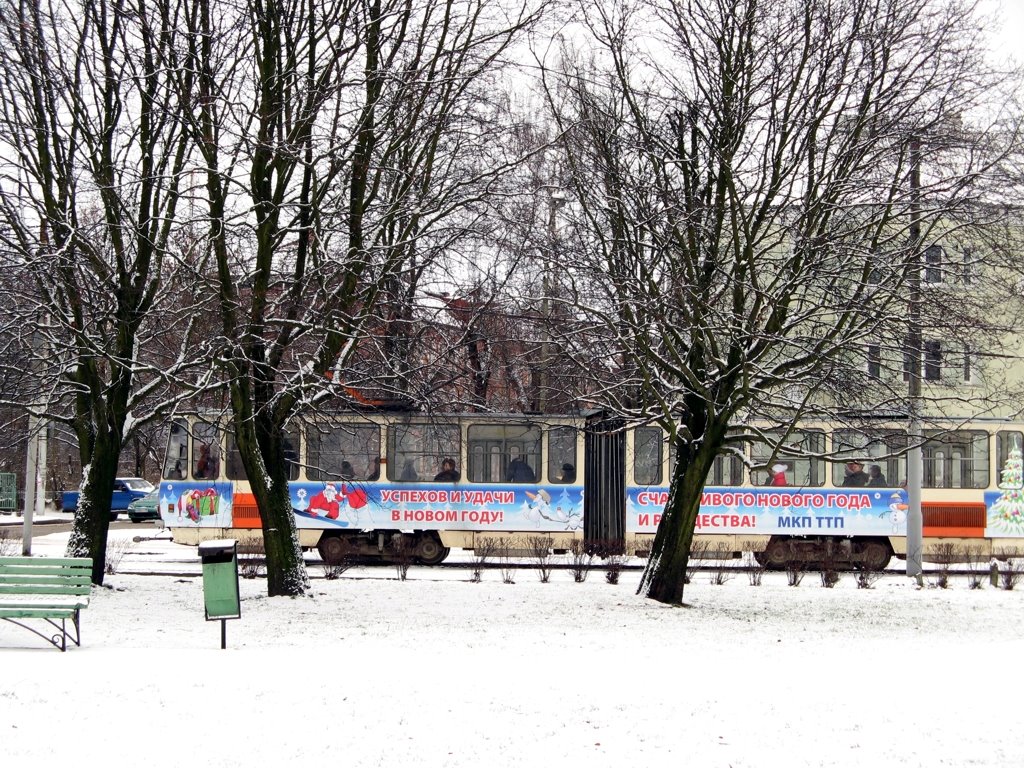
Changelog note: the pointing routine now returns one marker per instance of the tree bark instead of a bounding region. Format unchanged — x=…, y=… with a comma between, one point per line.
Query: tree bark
x=262, y=452
x=664, y=578
x=91, y=525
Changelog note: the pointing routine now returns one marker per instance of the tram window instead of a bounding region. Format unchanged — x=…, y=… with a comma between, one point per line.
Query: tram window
x=647, y=455
x=957, y=459
x=562, y=462
x=1008, y=459
x=503, y=453
x=417, y=451
x=343, y=452
x=871, y=448
x=176, y=458
x=727, y=469
x=205, y=451
x=235, y=470
x=797, y=459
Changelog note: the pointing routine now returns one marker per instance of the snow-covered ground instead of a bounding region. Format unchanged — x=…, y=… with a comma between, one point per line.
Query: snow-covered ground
x=439, y=671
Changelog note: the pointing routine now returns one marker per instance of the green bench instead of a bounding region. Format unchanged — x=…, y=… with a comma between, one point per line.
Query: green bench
x=54, y=589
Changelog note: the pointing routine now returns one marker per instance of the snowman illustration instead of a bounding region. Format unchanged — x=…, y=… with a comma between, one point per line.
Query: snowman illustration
x=540, y=508
x=897, y=511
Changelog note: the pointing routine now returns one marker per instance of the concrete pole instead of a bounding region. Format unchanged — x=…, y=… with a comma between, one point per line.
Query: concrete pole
x=31, y=483
x=43, y=444
x=915, y=466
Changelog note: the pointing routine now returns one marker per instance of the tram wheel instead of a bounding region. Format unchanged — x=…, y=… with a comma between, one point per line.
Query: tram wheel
x=777, y=554
x=875, y=556
x=430, y=551
x=333, y=549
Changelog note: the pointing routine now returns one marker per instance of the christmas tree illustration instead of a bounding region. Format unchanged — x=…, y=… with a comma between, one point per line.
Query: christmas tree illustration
x=1007, y=513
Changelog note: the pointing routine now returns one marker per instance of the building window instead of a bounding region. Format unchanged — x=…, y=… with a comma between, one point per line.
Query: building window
x=968, y=262
x=932, y=272
x=932, y=360
x=875, y=361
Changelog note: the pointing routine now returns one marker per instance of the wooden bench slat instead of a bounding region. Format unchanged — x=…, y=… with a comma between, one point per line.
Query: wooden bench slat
x=35, y=570
x=38, y=613
x=85, y=562
x=45, y=578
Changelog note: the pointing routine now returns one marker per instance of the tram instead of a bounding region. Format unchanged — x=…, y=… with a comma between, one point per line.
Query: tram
x=360, y=484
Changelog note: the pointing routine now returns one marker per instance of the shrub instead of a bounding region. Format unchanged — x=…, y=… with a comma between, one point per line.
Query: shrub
x=540, y=550
x=581, y=559
x=333, y=571
x=506, y=547
x=698, y=553
x=613, y=563
x=483, y=550
x=866, y=578
x=719, y=576
x=252, y=557
x=943, y=554
x=403, y=551
x=116, y=550
x=795, y=570
x=1012, y=573
x=830, y=577
x=977, y=563
x=830, y=573
x=754, y=570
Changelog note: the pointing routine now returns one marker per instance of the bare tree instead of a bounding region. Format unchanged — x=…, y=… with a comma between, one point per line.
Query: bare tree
x=344, y=146
x=92, y=155
x=751, y=207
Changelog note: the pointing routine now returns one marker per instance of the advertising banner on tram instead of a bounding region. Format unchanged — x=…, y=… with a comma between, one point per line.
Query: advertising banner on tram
x=789, y=511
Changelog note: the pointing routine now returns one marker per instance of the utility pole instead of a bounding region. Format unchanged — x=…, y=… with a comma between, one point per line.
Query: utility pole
x=35, y=456
x=556, y=200
x=31, y=484
x=915, y=467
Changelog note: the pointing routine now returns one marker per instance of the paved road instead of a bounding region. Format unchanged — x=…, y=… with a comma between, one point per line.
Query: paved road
x=13, y=525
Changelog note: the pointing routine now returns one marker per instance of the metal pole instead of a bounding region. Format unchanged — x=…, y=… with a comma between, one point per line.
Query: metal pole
x=915, y=468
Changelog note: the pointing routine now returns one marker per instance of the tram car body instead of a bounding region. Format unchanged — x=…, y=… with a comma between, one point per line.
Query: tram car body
x=360, y=484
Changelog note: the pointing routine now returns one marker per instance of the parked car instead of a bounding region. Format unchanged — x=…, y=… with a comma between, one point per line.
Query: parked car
x=146, y=508
x=126, y=490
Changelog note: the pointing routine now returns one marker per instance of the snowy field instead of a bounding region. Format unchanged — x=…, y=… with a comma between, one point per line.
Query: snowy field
x=439, y=671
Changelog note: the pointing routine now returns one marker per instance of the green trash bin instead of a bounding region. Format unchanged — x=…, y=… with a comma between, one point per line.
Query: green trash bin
x=220, y=582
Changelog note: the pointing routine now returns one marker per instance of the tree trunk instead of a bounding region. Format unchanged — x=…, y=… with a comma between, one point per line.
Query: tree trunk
x=92, y=518
x=664, y=577
x=286, y=569
x=267, y=470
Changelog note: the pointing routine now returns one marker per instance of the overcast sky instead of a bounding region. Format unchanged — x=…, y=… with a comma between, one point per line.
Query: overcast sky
x=1009, y=32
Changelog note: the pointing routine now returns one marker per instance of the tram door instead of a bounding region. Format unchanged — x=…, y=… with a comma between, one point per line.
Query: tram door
x=945, y=464
x=604, y=497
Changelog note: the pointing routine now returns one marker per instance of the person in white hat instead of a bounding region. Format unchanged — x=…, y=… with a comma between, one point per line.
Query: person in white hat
x=778, y=474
